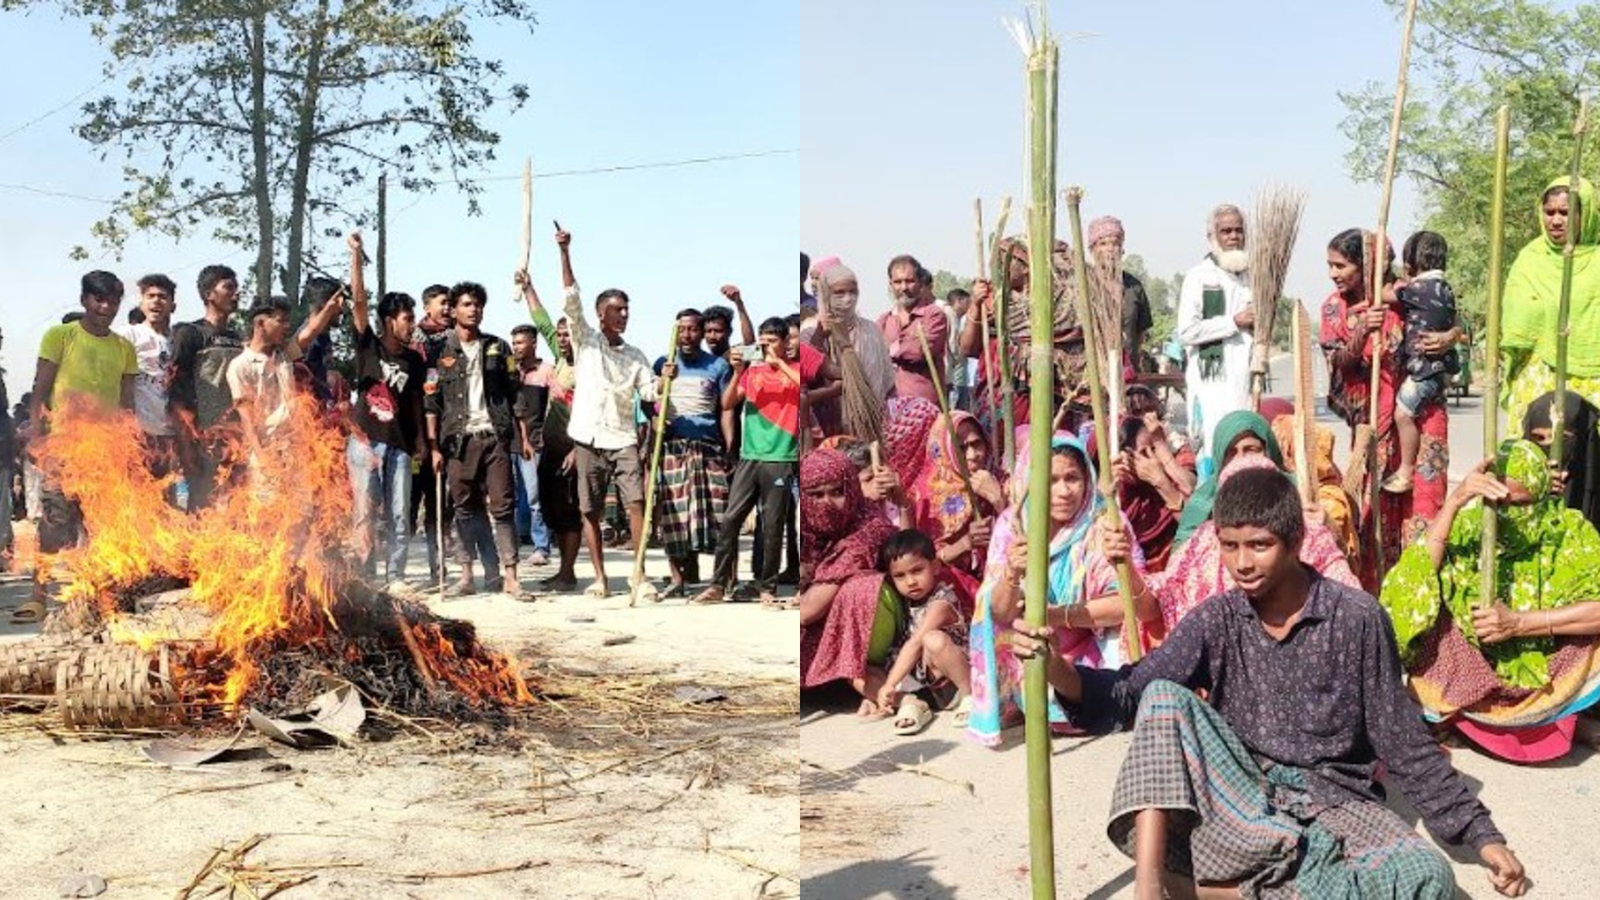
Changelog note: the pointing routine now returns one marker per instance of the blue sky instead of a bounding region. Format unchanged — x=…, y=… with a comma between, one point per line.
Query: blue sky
x=914, y=107
x=613, y=83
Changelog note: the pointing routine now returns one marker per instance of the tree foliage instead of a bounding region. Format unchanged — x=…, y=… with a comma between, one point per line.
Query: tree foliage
x=1470, y=57
x=268, y=122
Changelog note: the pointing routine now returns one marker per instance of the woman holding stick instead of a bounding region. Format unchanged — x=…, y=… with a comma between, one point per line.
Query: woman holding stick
x=1528, y=317
x=1512, y=670
x=1085, y=609
x=1348, y=320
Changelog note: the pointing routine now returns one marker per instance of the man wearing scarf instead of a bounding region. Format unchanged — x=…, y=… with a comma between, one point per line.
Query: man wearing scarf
x=1215, y=321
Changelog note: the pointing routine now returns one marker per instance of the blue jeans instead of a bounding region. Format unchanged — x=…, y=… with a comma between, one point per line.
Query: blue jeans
x=380, y=479
x=530, y=518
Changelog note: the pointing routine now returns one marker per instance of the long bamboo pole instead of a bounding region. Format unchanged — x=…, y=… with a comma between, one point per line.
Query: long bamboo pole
x=1304, y=416
x=1378, y=262
x=1575, y=214
x=636, y=585
x=1001, y=287
x=527, y=212
x=1102, y=423
x=983, y=320
x=1489, y=550
x=1042, y=74
x=383, y=235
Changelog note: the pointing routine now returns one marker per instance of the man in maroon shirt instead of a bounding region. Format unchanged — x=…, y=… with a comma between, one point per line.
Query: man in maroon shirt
x=914, y=310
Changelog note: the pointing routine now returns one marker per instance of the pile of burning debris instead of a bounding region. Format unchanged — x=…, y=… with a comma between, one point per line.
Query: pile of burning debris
x=172, y=621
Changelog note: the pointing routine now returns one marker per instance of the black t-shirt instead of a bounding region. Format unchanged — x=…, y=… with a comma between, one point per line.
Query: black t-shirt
x=388, y=392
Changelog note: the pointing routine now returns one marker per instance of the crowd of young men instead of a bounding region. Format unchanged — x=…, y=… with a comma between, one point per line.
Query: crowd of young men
x=444, y=422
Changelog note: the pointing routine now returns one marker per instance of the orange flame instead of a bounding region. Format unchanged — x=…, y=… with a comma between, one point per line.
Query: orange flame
x=262, y=559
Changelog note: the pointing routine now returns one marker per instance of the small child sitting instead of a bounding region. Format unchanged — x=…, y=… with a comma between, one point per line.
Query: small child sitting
x=1428, y=304
x=934, y=644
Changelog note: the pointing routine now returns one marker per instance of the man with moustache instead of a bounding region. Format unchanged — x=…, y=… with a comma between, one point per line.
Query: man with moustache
x=1215, y=323
x=914, y=311
x=692, y=489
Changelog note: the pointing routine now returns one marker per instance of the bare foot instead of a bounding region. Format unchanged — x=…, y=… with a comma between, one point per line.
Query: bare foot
x=871, y=710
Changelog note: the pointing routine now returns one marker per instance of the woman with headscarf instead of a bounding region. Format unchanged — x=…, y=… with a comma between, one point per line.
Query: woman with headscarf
x=1196, y=572
x=1084, y=606
x=958, y=522
x=1510, y=671
x=846, y=628
x=1239, y=433
x=840, y=330
x=1578, y=471
x=1340, y=512
x=1532, y=294
x=1349, y=319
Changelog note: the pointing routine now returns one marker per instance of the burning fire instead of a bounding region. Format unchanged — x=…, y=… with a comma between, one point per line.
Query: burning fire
x=263, y=560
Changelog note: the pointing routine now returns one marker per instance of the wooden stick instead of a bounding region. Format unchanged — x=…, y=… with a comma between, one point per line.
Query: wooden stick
x=527, y=213
x=1043, y=72
x=643, y=539
x=1575, y=213
x=438, y=509
x=1102, y=424
x=977, y=215
x=983, y=320
x=1378, y=262
x=1304, y=396
x=1000, y=285
x=949, y=421
x=1489, y=549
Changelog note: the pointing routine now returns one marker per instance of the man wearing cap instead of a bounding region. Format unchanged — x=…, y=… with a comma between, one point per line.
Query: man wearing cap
x=1106, y=237
x=1215, y=321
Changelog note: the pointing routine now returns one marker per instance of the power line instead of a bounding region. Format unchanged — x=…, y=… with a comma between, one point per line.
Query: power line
x=667, y=164
x=45, y=192
x=52, y=111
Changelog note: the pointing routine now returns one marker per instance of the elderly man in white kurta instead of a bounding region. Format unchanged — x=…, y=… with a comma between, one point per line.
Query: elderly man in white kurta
x=1215, y=321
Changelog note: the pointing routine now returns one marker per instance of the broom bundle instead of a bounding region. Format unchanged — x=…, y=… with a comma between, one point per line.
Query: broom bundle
x=860, y=408
x=1275, y=224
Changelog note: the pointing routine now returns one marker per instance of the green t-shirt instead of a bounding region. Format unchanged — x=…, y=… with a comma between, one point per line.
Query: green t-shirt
x=87, y=364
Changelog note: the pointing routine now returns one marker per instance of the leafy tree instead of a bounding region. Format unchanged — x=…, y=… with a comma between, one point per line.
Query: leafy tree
x=1470, y=57
x=944, y=282
x=268, y=120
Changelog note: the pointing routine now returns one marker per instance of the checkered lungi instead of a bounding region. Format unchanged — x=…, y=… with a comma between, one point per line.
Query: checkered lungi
x=691, y=493
x=1230, y=821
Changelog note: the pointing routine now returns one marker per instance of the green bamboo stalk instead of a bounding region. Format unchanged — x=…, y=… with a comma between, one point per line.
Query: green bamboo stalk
x=1558, y=417
x=999, y=276
x=1491, y=353
x=1103, y=425
x=1008, y=391
x=1042, y=73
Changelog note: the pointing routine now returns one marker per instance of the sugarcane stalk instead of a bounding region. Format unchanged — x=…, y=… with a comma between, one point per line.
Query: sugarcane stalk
x=1042, y=70
x=1489, y=549
x=651, y=475
x=1575, y=213
x=1378, y=262
x=1102, y=423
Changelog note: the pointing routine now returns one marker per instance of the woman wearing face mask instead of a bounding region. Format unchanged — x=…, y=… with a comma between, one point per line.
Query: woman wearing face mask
x=840, y=329
x=1511, y=670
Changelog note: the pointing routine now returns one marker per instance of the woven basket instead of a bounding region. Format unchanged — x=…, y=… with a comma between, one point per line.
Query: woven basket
x=117, y=686
x=29, y=667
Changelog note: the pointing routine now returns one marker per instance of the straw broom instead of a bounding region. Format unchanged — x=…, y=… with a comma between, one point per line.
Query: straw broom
x=1105, y=306
x=1103, y=426
x=1276, y=224
x=638, y=586
x=1489, y=549
x=1558, y=409
x=862, y=412
x=1378, y=261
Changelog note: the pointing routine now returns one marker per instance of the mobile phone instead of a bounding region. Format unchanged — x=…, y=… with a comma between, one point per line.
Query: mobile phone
x=556, y=224
x=752, y=353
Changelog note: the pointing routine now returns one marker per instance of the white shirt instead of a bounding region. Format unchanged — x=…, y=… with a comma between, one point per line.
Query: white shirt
x=608, y=379
x=154, y=351
x=1212, y=398
x=266, y=382
x=477, y=404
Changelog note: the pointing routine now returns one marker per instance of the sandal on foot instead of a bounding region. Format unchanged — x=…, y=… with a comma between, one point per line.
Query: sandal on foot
x=1396, y=484
x=913, y=716
x=961, y=713
x=709, y=597
x=597, y=591
x=31, y=612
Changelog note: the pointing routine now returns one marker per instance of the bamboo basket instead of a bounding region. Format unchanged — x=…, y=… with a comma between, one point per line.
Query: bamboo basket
x=116, y=686
x=29, y=667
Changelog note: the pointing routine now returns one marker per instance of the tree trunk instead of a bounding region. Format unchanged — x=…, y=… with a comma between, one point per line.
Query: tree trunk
x=258, y=139
x=304, y=133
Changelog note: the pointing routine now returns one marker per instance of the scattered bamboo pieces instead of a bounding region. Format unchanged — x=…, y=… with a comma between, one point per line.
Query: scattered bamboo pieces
x=227, y=870
x=1490, y=548
x=1274, y=225
x=424, y=877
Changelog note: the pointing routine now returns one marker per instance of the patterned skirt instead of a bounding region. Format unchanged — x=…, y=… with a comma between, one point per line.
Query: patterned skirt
x=1231, y=821
x=691, y=494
